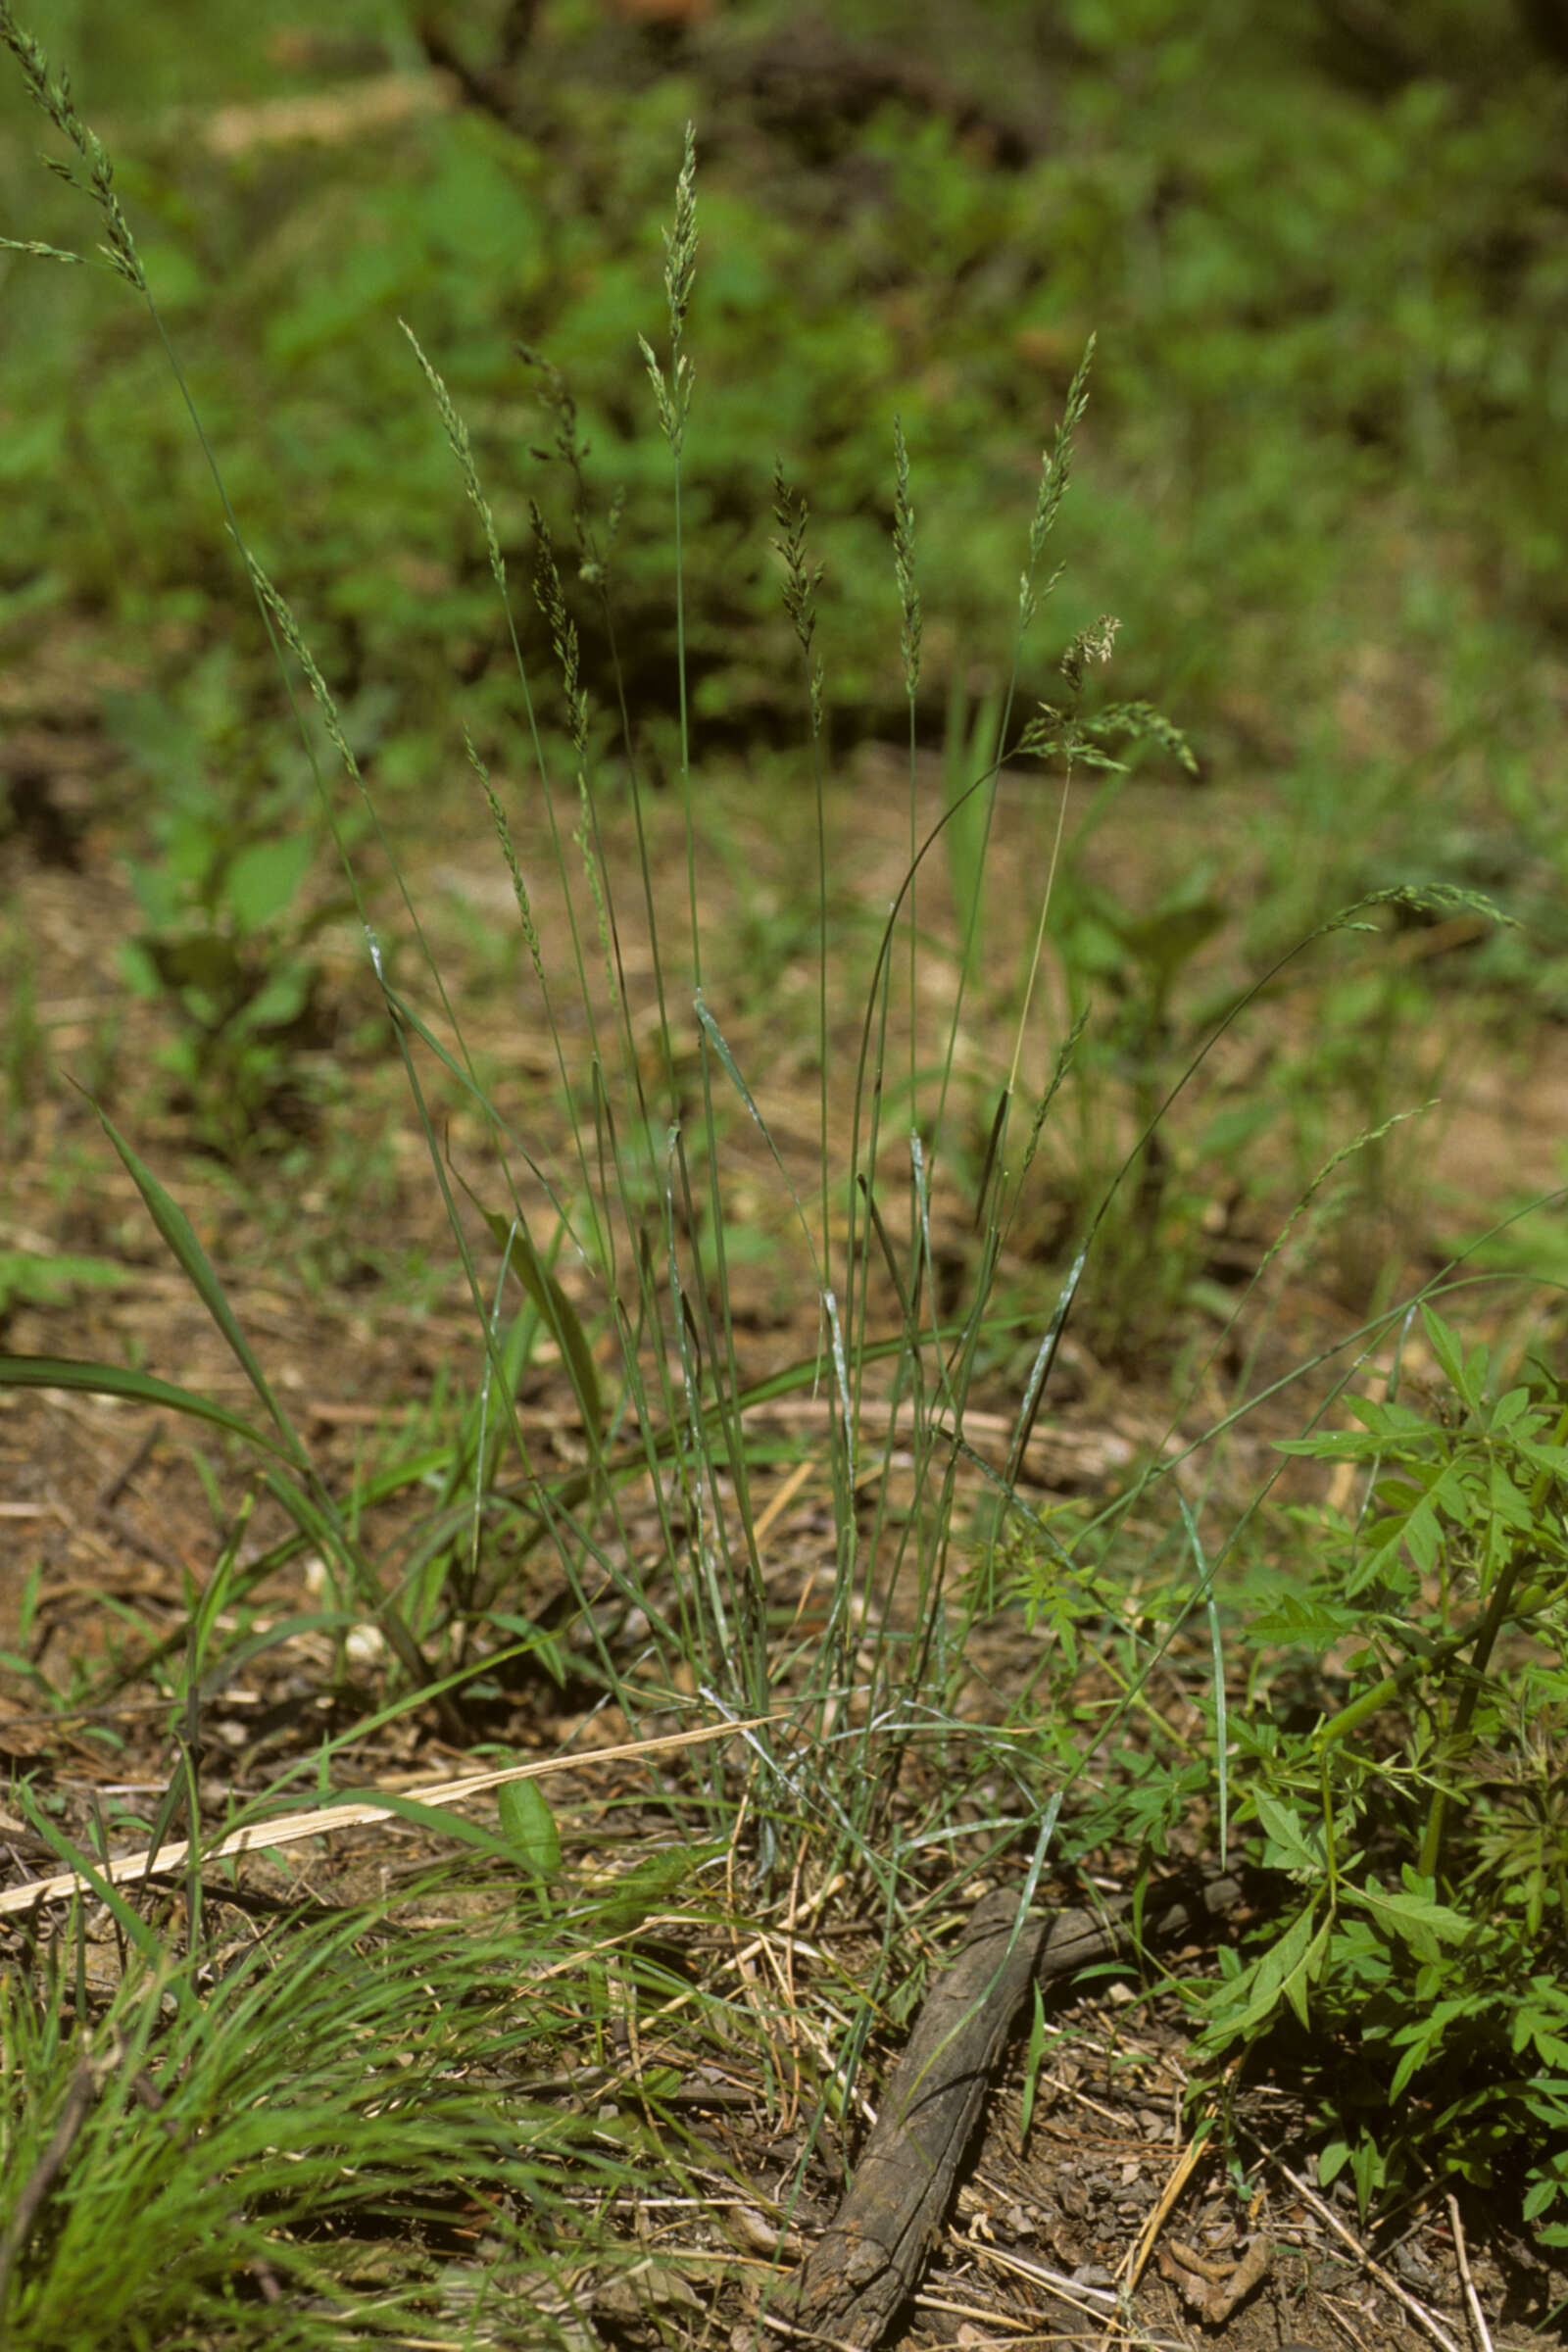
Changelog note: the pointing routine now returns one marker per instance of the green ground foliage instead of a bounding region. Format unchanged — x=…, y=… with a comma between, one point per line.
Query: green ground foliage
x=1328, y=285
x=506, y=468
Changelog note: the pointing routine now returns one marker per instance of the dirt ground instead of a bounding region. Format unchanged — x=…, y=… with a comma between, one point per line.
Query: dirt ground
x=1103, y=2226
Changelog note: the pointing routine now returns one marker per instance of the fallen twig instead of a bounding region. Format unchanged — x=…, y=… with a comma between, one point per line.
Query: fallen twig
x=869, y=2258
x=288, y=1829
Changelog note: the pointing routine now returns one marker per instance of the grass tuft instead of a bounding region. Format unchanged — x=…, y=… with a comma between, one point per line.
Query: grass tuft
x=366, y=2123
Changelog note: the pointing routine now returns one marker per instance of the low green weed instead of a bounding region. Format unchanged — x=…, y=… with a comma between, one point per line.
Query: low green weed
x=1128, y=966
x=1418, y=1829
x=28, y=1279
x=226, y=944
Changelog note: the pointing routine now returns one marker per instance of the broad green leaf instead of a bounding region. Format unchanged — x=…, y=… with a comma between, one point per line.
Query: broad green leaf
x=1412, y=1915
x=1507, y=1411
x=1544, y=1457
x=1420, y=2041
x=1298, y=1984
x=261, y=881
x=1287, y=1831
x=1465, y=1375
x=1264, y=1982
x=1550, y=2045
x=1307, y=1619
x=530, y=1828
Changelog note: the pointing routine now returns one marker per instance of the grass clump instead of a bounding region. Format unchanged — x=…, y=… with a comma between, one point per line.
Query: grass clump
x=881, y=1737
x=320, y=2132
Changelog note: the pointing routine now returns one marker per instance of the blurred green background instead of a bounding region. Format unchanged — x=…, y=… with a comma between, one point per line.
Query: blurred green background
x=1324, y=480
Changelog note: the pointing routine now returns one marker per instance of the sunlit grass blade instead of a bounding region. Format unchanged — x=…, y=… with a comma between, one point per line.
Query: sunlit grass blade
x=135, y=1388
x=180, y=1236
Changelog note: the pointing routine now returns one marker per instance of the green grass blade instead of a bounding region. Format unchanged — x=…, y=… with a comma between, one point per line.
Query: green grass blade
x=177, y=1232
x=560, y=1317
x=85, y=1378
x=75, y=1858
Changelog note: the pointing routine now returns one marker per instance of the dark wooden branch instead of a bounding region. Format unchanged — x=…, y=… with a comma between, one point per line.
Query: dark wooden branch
x=868, y=2260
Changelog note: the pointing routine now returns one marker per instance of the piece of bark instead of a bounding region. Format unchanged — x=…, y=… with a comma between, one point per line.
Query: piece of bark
x=869, y=2258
